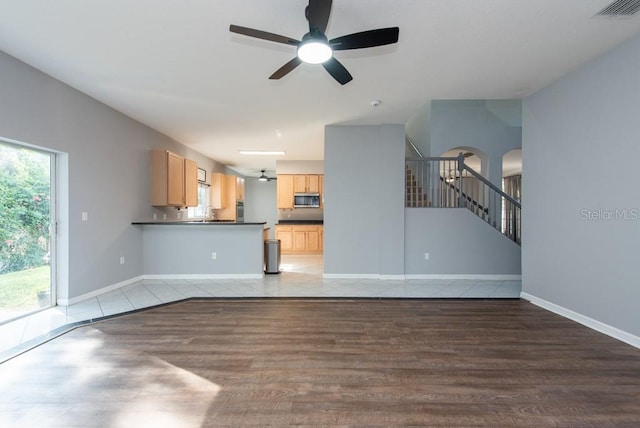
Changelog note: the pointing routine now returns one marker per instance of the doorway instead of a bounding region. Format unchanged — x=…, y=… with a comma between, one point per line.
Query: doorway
x=27, y=238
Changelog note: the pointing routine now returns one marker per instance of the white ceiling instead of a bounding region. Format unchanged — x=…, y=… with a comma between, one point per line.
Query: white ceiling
x=174, y=65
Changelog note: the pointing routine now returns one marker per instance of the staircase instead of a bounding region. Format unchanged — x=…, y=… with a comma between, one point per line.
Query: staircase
x=416, y=197
x=450, y=183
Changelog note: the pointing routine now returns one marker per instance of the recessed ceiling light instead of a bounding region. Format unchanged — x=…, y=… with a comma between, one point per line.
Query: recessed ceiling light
x=262, y=152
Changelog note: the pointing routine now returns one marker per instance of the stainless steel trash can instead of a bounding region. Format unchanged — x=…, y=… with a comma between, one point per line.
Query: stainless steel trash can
x=272, y=256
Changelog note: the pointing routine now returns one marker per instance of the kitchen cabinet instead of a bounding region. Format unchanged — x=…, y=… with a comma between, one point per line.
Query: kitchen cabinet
x=190, y=183
x=300, y=239
x=309, y=183
x=306, y=239
x=218, y=195
x=233, y=193
x=174, y=180
x=290, y=184
x=285, y=235
x=285, y=191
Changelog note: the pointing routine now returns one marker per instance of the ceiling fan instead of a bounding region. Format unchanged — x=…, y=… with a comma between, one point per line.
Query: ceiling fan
x=263, y=176
x=315, y=48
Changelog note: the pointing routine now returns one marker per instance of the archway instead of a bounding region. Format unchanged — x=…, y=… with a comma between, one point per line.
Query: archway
x=474, y=158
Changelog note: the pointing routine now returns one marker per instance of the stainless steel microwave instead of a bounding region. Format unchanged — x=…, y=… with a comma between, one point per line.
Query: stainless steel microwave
x=306, y=200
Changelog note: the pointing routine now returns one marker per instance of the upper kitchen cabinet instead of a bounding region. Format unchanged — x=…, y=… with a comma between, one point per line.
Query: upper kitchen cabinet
x=306, y=184
x=290, y=184
x=190, y=183
x=174, y=180
x=218, y=198
x=285, y=191
x=226, y=190
x=231, y=193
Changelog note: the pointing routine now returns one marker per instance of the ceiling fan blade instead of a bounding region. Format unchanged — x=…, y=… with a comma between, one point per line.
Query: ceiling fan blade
x=366, y=39
x=318, y=13
x=259, y=34
x=286, y=69
x=337, y=71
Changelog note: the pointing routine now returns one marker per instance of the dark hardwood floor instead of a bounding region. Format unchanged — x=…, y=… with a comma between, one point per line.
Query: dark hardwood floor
x=326, y=362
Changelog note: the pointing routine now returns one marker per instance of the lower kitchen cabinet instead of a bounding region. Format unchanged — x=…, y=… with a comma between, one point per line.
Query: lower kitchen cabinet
x=305, y=239
x=285, y=235
x=300, y=239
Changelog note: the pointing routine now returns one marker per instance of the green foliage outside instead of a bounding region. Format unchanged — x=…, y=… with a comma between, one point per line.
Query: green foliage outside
x=24, y=208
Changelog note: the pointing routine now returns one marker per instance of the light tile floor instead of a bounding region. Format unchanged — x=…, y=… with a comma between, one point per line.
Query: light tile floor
x=301, y=277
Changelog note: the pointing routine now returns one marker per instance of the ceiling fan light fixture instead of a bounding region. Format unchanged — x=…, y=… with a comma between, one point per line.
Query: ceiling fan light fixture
x=314, y=51
x=316, y=48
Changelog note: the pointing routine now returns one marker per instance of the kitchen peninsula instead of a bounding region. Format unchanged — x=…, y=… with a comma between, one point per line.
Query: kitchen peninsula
x=202, y=249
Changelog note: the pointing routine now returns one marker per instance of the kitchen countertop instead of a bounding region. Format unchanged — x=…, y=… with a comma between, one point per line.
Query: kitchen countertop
x=201, y=223
x=285, y=222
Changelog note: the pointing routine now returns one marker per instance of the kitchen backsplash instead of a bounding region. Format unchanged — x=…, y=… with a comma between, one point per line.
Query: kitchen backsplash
x=301, y=214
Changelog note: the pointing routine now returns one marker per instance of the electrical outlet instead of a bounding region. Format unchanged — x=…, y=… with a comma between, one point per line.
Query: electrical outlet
x=155, y=216
x=426, y=256
x=214, y=256
x=164, y=216
x=85, y=216
x=121, y=260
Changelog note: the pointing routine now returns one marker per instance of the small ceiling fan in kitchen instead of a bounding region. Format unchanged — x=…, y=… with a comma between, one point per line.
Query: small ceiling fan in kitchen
x=316, y=48
x=263, y=176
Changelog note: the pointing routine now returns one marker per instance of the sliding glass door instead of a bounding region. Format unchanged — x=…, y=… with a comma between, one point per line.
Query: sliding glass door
x=26, y=238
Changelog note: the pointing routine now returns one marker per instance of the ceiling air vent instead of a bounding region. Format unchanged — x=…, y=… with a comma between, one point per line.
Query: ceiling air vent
x=620, y=9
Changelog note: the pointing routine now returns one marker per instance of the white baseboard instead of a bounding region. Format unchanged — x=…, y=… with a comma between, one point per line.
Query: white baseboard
x=351, y=276
x=103, y=290
x=392, y=277
x=363, y=276
x=473, y=277
x=206, y=276
x=614, y=332
x=421, y=276
x=95, y=293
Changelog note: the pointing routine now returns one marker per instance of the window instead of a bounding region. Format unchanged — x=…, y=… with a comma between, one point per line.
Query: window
x=27, y=234
x=201, y=211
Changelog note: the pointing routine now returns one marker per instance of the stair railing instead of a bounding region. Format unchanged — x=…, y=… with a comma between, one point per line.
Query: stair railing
x=447, y=182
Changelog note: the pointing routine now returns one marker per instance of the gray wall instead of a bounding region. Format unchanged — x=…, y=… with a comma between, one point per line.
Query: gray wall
x=418, y=129
x=260, y=202
x=299, y=167
x=186, y=250
x=364, y=200
x=458, y=243
x=108, y=171
x=470, y=123
x=583, y=133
